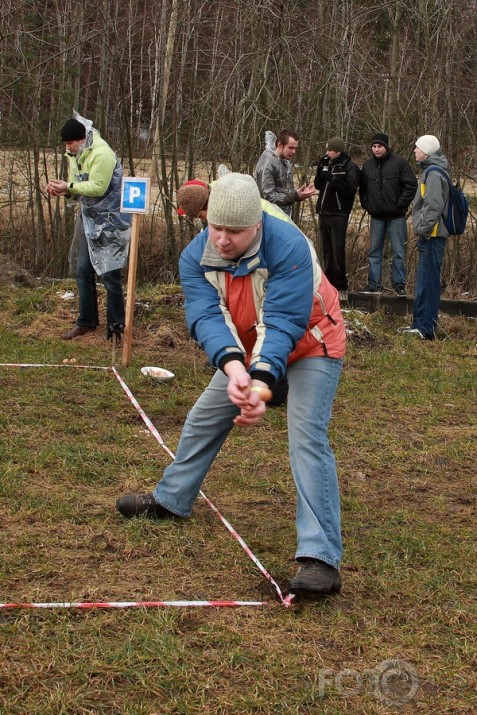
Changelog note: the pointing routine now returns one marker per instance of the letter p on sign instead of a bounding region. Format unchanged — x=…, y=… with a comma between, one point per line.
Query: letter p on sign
x=135, y=195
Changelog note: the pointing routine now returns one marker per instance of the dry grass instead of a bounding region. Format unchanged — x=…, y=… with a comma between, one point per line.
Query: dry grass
x=46, y=254
x=404, y=433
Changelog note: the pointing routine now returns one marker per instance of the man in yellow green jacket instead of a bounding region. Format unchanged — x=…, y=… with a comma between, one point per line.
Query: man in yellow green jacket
x=102, y=233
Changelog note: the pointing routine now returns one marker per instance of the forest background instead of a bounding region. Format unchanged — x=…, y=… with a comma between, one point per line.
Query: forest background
x=179, y=87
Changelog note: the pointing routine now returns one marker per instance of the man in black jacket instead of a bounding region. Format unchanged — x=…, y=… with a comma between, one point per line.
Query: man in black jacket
x=337, y=180
x=387, y=188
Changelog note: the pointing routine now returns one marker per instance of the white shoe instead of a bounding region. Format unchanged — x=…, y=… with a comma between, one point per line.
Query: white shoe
x=343, y=296
x=412, y=331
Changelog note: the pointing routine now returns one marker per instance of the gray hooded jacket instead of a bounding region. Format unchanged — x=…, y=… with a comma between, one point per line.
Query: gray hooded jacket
x=431, y=199
x=274, y=178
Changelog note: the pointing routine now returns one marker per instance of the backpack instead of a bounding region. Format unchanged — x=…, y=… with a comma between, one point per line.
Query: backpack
x=458, y=206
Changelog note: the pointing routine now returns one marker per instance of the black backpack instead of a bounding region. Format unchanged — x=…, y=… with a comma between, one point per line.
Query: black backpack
x=458, y=206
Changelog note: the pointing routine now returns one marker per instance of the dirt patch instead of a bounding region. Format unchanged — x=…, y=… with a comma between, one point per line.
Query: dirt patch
x=11, y=272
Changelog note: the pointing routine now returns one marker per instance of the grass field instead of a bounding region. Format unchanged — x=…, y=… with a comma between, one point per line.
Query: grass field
x=402, y=635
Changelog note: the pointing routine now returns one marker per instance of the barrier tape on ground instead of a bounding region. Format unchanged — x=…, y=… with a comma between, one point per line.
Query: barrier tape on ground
x=32, y=364
x=284, y=600
x=132, y=604
x=144, y=417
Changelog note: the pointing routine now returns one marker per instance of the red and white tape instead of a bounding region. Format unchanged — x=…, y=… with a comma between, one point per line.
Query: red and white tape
x=41, y=364
x=132, y=604
x=151, y=427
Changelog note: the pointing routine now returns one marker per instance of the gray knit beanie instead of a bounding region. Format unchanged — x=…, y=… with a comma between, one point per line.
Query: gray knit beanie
x=336, y=144
x=234, y=201
x=428, y=143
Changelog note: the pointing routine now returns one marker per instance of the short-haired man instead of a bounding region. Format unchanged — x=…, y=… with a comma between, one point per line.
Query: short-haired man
x=101, y=236
x=337, y=180
x=274, y=173
x=387, y=188
x=257, y=301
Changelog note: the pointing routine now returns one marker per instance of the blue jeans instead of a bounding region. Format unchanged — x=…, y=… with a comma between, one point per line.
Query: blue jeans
x=312, y=386
x=397, y=233
x=86, y=283
x=425, y=310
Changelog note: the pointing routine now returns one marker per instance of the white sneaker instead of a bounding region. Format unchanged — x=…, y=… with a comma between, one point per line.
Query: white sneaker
x=412, y=331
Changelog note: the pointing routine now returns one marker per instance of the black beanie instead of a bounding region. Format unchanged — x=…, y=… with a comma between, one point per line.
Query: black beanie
x=72, y=130
x=381, y=139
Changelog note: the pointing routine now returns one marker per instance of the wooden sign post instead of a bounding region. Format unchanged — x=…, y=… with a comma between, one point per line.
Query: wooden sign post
x=135, y=200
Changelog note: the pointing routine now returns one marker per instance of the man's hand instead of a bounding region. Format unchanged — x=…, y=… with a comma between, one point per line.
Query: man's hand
x=57, y=187
x=248, y=395
x=306, y=191
x=254, y=407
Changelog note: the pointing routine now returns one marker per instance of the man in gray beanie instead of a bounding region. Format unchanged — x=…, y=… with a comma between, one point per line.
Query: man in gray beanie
x=259, y=305
x=428, y=209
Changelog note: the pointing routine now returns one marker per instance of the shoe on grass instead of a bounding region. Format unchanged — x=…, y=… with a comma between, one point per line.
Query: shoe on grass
x=343, y=296
x=131, y=505
x=400, y=292
x=315, y=576
x=371, y=290
x=77, y=331
x=412, y=331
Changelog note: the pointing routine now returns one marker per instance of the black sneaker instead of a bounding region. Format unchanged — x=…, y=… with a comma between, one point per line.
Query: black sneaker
x=316, y=576
x=371, y=290
x=400, y=292
x=141, y=505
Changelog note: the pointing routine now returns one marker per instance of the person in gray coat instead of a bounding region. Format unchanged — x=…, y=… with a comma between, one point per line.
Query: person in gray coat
x=428, y=209
x=274, y=173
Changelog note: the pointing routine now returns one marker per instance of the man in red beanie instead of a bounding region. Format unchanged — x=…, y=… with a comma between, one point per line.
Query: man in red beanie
x=192, y=198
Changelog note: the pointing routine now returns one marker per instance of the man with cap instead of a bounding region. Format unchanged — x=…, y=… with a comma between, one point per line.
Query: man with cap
x=101, y=236
x=428, y=209
x=258, y=303
x=337, y=180
x=387, y=188
x=274, y=173
x=192, y=198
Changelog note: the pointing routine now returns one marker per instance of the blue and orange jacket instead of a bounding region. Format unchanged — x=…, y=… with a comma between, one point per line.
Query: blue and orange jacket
x=270, y=308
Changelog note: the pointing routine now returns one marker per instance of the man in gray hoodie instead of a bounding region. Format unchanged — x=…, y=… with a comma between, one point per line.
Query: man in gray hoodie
x=428, y=209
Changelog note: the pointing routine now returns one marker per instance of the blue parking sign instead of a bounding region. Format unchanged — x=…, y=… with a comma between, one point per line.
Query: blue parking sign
x=135, y=195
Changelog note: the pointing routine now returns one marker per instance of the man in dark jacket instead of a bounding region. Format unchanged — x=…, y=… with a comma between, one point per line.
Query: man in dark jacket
x=387, y=188
x=337, y=180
